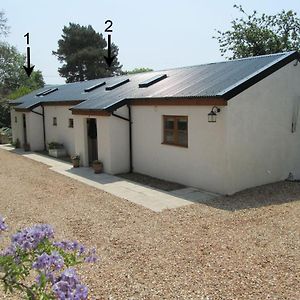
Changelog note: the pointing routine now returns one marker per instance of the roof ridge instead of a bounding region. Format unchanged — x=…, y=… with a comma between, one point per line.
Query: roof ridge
x=286, y=53
x=185, y=67
x=259, y=71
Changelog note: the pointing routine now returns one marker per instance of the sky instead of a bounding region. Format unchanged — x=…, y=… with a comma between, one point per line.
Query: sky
x=157, y=34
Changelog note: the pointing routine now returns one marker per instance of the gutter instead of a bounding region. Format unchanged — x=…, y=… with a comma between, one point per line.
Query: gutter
x=129, y=120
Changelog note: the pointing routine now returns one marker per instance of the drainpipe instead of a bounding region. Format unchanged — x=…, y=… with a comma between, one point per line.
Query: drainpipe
x=44, y=127
x=130, y=138
x=129, y=120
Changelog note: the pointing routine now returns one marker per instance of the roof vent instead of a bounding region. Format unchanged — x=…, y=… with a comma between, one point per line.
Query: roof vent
x=93, y=87
x=46, y=92
x=41, y=93
x=114, y=86
x=152, y=80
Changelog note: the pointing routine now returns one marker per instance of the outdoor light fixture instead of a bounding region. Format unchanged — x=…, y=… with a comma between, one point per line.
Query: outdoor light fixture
x=212, y=116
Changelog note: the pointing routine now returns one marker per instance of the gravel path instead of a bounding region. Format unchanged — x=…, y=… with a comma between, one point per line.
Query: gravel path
x=240, y=247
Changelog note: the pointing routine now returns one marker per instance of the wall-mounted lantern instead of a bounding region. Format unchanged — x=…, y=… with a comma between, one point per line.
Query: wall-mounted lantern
x=212, y=116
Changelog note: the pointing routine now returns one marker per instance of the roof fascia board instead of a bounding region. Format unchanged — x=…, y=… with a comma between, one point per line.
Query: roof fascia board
x=50, y=103
x=180, y=101
x=61, y=103
x=22, y=109
x=258, y=76
x=14, y=103
x=90, y=112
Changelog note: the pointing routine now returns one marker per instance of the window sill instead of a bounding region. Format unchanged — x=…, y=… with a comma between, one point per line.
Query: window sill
x=176, y=145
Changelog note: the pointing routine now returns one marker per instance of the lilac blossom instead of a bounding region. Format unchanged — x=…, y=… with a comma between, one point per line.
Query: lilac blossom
x=9, y=251
x=69, y=286
x=3, y=226
x=91, y=256
x=50, y=277
x=31, y=237
x=47, y=262
x=48, y=259
x=70, y=246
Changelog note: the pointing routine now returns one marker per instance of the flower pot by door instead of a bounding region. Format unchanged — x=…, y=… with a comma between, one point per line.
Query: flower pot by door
x=76, y=163
x=98, y=167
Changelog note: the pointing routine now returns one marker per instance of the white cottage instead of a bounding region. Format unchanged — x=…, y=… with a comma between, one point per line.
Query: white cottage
x=160, y=123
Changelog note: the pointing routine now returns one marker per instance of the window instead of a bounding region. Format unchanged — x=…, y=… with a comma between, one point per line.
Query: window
x=176, y=130
x=16, y=119
x=54, y=121
x=71, y=123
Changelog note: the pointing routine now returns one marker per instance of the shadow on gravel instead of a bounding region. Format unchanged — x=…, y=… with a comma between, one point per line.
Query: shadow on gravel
x=269, y=194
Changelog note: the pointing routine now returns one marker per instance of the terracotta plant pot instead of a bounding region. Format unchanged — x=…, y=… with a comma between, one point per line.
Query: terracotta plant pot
x=76, y=163
x=97, y=166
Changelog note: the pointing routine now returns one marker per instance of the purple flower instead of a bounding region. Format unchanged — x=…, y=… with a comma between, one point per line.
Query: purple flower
x=69, y=287
x=91, y=256
x=9, y=251
x=3, y=226
x=50, y=277
x=70, y=246
x=81, y=292
x=70, y=276
x=31, y=237
x=47, y=262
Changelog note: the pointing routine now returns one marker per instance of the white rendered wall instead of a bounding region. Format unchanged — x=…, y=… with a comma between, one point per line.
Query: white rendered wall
x=17, y=128
x=119, y=142
x=261, y=146
x=35, y=135
x=60, y=133
x=80, y=139
x=112, y=138
x=203, y=164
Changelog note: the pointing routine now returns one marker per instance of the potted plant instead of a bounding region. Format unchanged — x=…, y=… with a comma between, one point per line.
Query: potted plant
x=56, y=149
x=97, y=166
x=26, y=147
x=75, y=160
x=17, y=143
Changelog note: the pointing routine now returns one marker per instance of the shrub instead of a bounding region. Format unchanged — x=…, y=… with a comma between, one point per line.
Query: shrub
x=17, y=143
x=75, y=157
x=55, y=145
x=33, y=251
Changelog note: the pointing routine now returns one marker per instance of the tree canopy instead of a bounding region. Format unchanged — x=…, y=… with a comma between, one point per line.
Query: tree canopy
x=254, y=34
x=81, y=50
x=4, y=29
x=12, y=75
x=14, y=81
x=138, y=70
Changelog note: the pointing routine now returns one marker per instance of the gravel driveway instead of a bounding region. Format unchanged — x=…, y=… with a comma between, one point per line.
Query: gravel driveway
x=242, y=247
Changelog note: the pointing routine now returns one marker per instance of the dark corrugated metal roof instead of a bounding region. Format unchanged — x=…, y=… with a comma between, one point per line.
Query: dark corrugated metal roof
x=222, y=79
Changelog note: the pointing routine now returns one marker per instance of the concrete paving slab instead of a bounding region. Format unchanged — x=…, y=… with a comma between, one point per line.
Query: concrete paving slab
x=193, y=194
x=154, y=199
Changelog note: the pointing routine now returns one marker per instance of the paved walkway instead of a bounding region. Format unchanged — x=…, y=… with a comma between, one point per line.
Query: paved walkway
x=154, y=199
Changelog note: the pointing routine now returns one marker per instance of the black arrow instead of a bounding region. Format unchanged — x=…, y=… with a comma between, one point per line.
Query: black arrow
x=109, y=59
x=28, y=68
